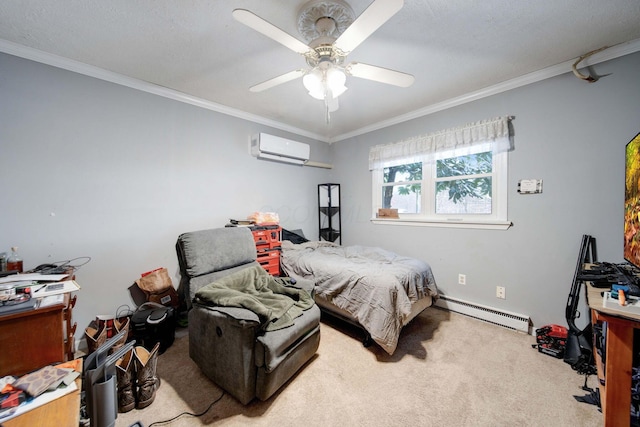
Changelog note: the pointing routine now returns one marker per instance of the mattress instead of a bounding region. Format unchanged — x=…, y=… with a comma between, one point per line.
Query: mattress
x=379, y=289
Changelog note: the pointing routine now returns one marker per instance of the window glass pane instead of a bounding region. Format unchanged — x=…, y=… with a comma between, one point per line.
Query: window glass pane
x=464, y=196
x=403, y=173
x=405, y=198
x=472, y=164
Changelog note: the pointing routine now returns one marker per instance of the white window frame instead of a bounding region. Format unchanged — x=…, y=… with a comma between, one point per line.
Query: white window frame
x=498, y=219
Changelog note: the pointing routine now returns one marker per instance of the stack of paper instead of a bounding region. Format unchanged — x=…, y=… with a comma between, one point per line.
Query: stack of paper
x=56, y=288
x=33, y=277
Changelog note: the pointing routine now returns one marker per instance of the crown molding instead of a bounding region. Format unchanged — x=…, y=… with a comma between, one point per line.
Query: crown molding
x=102, y=74
x=546, y=73
x=36, y=55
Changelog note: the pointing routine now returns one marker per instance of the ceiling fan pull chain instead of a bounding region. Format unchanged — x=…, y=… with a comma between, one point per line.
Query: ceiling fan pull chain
x=328, y=114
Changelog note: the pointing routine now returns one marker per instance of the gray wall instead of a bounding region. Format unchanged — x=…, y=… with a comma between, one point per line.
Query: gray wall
x=569, y=133
x=90, y=168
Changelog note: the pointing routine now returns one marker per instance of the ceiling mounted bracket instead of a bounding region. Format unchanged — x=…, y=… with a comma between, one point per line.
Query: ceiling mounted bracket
x=325, y=54
x=313, y=15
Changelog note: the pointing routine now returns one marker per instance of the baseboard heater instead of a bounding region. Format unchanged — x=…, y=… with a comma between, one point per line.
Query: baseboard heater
x=503, y=318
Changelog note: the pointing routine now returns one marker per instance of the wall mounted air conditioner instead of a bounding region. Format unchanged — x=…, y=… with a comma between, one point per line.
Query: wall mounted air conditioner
x=270, y=147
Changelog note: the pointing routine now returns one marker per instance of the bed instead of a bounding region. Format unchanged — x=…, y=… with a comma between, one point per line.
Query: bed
x=375, y=289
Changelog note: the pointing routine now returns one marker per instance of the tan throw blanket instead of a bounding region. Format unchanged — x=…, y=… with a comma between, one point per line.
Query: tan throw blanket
x=253, y=288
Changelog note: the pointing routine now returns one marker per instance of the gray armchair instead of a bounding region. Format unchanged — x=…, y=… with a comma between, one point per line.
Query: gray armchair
x=229, y=344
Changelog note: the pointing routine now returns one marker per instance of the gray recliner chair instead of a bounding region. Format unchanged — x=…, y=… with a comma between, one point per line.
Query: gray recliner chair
x=228, y=343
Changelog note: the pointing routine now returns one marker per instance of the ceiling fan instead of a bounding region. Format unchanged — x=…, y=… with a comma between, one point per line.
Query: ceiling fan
x=332, y=34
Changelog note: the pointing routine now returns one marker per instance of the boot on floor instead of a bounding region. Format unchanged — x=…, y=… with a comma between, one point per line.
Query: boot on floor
x=95, y=336
x=126, y=376
x=146, y=378
x=120, y=326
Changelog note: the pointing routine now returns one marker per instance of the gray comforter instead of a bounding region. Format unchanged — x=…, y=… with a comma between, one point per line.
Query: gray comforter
x=375, y=286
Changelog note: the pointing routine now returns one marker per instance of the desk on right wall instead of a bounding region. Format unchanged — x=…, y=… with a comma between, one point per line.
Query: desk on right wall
x=615, y=375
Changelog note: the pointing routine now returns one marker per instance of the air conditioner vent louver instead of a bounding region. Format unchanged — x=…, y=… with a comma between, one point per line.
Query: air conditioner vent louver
x=270, y=147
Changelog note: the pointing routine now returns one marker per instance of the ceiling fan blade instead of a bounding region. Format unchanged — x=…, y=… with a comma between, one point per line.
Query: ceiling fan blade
x=287, y=77
x=379, y=74
x=378, y=12
x=252, y=20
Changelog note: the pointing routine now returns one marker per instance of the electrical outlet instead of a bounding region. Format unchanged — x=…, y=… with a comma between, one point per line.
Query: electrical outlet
x=500, y=292
x=462, y=279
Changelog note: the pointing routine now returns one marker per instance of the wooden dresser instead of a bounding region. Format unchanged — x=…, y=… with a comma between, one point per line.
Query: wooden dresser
x=35, y=338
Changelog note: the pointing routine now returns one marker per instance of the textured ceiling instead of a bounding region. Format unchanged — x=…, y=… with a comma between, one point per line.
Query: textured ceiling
x=196, y=48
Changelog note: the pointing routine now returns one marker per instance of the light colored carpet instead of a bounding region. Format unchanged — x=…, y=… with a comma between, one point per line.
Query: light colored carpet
x=448, y=370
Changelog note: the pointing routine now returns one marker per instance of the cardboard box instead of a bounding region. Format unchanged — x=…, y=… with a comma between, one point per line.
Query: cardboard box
x=388, y=213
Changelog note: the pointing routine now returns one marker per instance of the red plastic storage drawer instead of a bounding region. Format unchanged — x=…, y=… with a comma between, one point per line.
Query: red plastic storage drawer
x=270, y=261
x=267, y=240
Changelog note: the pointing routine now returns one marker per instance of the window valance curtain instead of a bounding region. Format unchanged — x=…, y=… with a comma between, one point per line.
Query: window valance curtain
x=493, y=133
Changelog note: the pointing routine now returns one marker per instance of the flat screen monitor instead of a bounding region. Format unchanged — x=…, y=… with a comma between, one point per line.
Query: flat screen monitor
x=632, y=202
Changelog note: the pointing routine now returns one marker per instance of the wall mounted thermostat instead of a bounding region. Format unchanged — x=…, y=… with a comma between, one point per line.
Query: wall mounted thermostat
x=530, y=186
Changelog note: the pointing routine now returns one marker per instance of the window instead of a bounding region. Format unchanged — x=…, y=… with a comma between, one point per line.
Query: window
x=464, y=184
x=453, y=184
x=402, y=188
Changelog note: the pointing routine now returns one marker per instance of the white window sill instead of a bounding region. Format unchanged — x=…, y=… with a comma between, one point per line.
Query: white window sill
x=485, y=225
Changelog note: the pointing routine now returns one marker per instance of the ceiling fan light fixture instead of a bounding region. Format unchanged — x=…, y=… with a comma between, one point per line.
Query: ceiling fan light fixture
x=319, y=95
x=339, y=91
x=332, y=33
x=336, y=78
x=313, y=82
x=322, y=83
